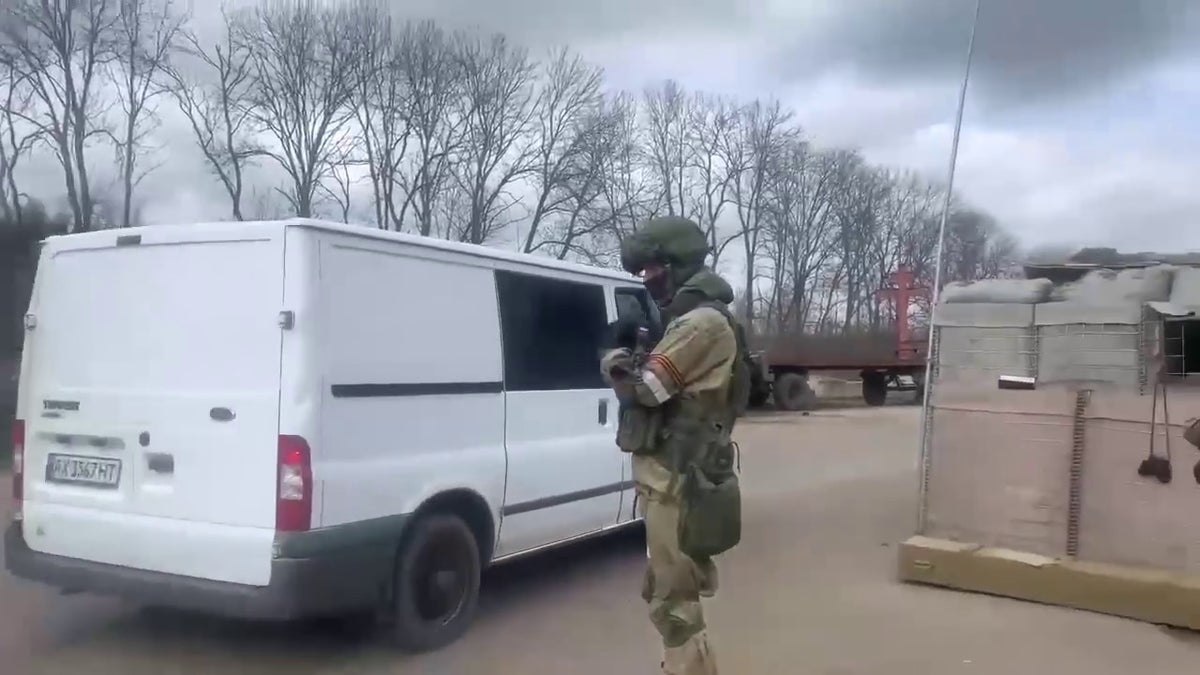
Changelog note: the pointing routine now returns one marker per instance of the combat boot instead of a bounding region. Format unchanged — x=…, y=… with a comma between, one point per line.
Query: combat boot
x=694, y=657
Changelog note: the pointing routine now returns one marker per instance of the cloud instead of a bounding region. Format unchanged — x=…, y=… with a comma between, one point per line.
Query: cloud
x=538, y=23
x=836, y=109
x=714, y=61
x=1048, y=189
x=1025, y=49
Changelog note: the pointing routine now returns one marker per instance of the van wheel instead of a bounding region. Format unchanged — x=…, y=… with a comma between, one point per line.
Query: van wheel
x=436, y=585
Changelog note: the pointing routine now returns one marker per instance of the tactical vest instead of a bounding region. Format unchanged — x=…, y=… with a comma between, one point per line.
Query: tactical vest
x=691, y=436
x=688, y=416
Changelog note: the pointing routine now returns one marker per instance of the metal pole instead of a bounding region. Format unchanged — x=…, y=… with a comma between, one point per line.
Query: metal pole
x=937, y=278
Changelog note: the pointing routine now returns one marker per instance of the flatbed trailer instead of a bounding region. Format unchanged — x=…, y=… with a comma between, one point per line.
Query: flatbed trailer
x=785, y=381
x=883, y=359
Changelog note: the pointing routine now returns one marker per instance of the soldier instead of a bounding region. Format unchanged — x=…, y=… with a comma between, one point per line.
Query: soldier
x=679, y=405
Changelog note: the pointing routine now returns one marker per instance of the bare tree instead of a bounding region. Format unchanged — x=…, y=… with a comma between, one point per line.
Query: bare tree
x=763, y=134
x=710, y=132
x=60, y=48
x=883, y=250
x=458, y=137
x=858, y=228
x=382, y=107
x=799, y=230
x=975, y=247
x=371, y=28
x=146, y=32
x=434, y=85
x=567, y=129
x=267, y=204
x=496, y=149
x=1002, y=257
x=109, y=209
x=17, y=138
x=582, y=221
x=919, y=235
x=341, y=192
x=668, y=155
x=304, y=61
x=628, y=194
x=213, y=88
x=341, y=175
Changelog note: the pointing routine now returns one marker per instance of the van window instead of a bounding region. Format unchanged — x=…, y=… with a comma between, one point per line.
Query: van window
x=553, y=332
x=393, y=341
x=635, y=303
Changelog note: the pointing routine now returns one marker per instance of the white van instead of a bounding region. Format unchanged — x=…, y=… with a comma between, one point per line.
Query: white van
x=297, y=418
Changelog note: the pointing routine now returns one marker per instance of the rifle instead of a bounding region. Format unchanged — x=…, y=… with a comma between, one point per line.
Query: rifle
x=633, y=335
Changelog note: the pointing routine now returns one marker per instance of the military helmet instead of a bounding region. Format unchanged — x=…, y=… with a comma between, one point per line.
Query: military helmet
x=667, y=240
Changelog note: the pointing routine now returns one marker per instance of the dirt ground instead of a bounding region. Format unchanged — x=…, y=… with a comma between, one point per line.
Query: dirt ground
x=811, y=591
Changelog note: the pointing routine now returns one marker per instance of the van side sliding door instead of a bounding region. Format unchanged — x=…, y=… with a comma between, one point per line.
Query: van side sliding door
x=634, y=304
x=564, y=469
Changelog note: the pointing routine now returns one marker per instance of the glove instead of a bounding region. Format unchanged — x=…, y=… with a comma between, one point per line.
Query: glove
x=615, y=363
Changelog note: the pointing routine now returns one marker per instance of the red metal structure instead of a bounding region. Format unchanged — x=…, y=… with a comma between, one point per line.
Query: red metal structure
x=901, y=294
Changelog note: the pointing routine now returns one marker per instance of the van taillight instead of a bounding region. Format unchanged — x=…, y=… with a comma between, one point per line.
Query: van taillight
x=18, y=466
x=293, y=492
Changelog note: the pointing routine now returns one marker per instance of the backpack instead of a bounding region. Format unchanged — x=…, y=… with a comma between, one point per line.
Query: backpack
x=743, y=366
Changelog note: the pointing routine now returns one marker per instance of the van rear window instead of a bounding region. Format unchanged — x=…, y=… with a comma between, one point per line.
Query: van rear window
x=200, y=316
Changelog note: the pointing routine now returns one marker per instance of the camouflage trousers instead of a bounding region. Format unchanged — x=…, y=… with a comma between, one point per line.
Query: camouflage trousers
x=673, y=586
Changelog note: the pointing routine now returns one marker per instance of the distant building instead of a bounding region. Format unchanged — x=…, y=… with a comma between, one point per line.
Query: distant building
x=1087, y=259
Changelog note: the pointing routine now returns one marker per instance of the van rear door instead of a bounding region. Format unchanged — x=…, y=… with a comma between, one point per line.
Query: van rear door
x=152, y=406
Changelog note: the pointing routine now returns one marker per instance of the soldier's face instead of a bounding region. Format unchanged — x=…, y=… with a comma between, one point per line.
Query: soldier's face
x=657, y=280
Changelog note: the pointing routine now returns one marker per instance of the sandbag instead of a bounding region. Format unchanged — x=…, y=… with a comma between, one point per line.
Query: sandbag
x=1013, y=291
x=1105, y=286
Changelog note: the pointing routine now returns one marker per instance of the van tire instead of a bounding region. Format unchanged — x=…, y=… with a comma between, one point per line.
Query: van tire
x=419, y=621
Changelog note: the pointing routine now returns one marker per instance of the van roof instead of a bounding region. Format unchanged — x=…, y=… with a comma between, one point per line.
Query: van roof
x=232, y=228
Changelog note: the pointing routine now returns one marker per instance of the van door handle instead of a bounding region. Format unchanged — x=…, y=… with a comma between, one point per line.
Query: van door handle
x=160, y=462
x=602, y=412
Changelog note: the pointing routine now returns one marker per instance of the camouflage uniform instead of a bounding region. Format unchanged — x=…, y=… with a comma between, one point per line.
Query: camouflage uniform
x=676, y=409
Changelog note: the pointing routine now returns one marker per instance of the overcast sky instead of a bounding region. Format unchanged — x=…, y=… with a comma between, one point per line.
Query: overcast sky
x=1081, y=124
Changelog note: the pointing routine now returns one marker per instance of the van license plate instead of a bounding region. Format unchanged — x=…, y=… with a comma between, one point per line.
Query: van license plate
x=76, y=470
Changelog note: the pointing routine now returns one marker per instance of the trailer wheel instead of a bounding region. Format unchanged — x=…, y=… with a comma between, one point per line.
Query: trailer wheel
x=760, y=388
x=793, y=393
x=919, y=380
x=874, y=388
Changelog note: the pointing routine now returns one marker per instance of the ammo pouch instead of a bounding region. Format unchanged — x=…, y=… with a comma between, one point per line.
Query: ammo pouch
x=639, y=429
x=710, y=504
x=710, y=517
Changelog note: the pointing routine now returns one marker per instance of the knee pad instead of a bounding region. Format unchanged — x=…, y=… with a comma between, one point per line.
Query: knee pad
x=676, y=622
